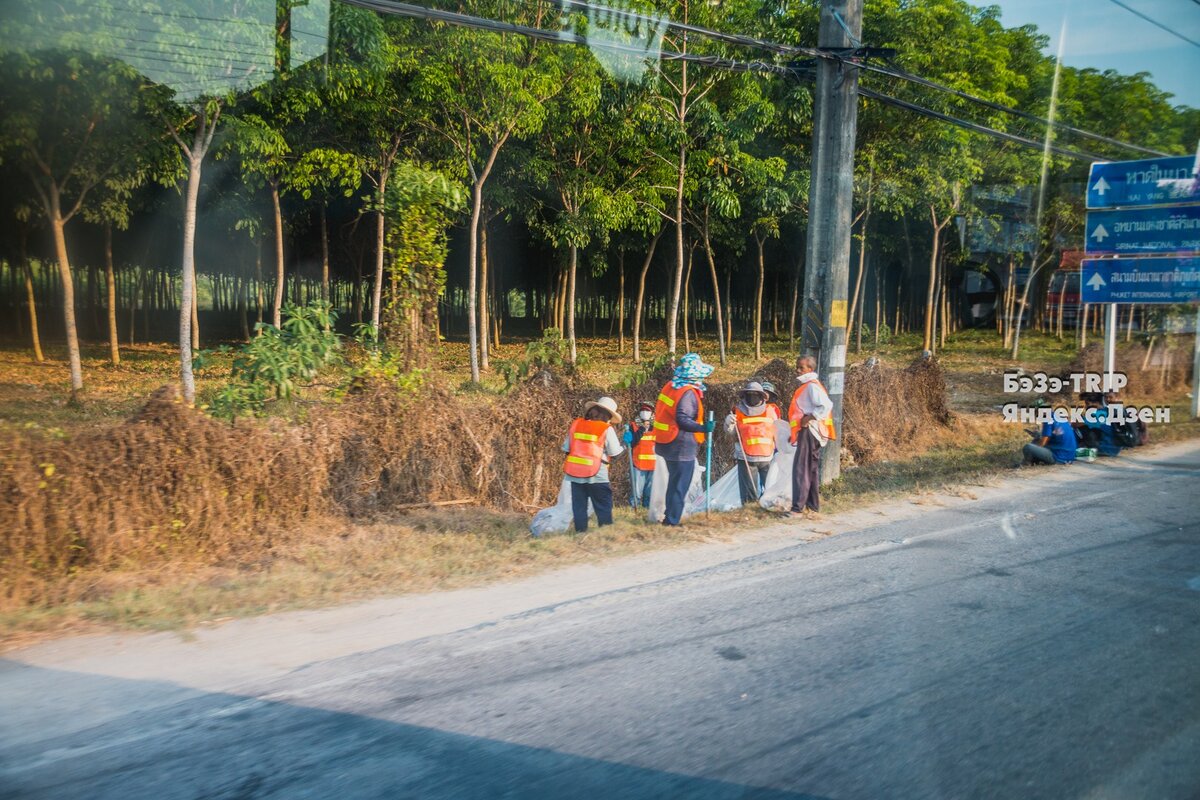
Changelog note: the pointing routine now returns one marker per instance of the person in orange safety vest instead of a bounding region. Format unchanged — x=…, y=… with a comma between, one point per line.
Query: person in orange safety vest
x=590, y=445
x=642, y=437
x=810, y=416
x=752, y=423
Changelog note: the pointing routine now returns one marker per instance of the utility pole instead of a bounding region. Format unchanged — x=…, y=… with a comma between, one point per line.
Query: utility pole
x=827, y=265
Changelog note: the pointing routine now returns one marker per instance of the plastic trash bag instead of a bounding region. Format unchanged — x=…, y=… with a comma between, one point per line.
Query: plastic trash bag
x=777, y=495
x=558, y=517
x=725, y=496
x=658, y=492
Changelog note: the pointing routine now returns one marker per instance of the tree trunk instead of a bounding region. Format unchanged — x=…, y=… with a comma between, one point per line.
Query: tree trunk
x=758, y=299
x=68, y=292
x=377, y=287
x=280, y=285
x=473, y=278
x=573, y=257
x=641, y=296
x=712, y=269
x=195, y=313
x=484, y=327
x=931, y=288
x=855, y=304
x=324, y=260
x=621, y=301
x=189, y=271
x=33, y=319
x=687, y=280
x=110, y=285
x=676, y=290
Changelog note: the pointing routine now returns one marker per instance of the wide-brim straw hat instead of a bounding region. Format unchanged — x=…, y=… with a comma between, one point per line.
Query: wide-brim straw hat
x=608, y=404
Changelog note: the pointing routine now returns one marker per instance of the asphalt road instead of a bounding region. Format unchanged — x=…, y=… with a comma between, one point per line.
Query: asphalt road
x=1043, y=641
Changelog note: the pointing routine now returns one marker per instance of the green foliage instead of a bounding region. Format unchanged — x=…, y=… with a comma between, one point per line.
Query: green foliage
x=640, y=373
x=278, y=361
x=885, y=332
x=551, y=352
x=377, y=363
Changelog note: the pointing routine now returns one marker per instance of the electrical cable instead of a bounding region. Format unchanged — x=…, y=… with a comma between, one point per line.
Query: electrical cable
x=470, y=21
x=892, y=69
x=1156, y=23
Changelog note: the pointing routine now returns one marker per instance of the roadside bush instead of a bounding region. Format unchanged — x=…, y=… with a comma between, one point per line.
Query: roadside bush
x=277, y=361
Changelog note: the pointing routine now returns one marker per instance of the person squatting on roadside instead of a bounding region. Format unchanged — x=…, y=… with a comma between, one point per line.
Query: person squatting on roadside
x=1053, y=444
x=752, y=423
x=641, y=432
x=590, y=445
x=811, y=418
x=679, y=430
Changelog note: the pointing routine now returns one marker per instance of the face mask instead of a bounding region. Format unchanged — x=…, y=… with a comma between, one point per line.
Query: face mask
x=644, y=415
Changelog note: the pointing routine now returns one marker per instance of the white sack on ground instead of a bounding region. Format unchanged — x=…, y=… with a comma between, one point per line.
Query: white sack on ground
x=558, y=517
x=658, y=491
x=777, y=495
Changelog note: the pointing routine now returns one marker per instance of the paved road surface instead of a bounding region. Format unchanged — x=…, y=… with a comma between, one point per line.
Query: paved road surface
x=1040, y=641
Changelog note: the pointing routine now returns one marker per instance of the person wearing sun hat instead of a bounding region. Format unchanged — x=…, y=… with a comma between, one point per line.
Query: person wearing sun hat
x=590, y=445
x=679, y=428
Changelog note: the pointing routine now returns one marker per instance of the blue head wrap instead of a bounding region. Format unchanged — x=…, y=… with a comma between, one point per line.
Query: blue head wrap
x=691, y=372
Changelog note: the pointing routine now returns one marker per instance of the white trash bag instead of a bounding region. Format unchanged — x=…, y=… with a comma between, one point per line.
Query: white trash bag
x=777, y=495
x=558, y=517
x=658, y=491
x=726, y=495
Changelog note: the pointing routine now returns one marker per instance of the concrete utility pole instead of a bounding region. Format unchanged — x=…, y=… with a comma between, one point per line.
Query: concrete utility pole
x=831, y=200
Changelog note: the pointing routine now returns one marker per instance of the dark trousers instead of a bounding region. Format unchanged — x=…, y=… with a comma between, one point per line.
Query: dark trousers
x=602, y=498
x=752, y=477
x=679, y=480
x=806, y=473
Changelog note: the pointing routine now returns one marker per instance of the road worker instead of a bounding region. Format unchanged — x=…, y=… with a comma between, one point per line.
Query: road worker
x=772, y=397
x=810, y=416
x=752, y=424
x=679, y=428
x=590, y=445
x=642, y=440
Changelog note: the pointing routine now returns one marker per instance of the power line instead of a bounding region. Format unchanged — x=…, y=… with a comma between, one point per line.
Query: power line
x=484, y=23
x=1157, y=24
x=892, y=69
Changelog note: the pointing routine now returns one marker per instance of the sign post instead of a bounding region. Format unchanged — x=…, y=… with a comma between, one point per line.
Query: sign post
x=1147, y=208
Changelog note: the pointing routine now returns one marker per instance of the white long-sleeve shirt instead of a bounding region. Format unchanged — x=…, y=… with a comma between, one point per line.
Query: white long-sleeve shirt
x=814, y=401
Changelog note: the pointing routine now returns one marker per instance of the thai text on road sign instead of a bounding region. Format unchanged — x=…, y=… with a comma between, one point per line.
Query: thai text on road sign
x=1171, y=229
x=1141, y=280
x=1151, y=181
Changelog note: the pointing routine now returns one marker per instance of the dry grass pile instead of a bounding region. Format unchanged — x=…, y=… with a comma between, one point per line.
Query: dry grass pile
x=890, y=413
x=168, y=484
x=1162, y=371
x=172, y=485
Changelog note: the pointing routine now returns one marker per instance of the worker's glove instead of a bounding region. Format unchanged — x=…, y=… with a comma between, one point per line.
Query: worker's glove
x=710, y=426
x=627, y=436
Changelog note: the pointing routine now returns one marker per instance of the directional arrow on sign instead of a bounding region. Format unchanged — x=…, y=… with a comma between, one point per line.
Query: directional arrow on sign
x=1100, y=234
x=1096, y=282
x=1101, y=186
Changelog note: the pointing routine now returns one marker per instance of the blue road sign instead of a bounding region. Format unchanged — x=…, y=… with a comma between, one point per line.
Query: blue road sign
x=1141, y=280
x=1171, y=229
x=1149, y=182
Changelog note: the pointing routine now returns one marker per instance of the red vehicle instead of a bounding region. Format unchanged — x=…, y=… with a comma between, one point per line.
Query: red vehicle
x=1064, y=288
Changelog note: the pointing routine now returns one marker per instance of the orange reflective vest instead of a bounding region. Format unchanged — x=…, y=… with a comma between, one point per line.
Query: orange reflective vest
x=585, y=450
x=665, y=429
x=757, y=434
x=794, y=413
x=643, y=451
